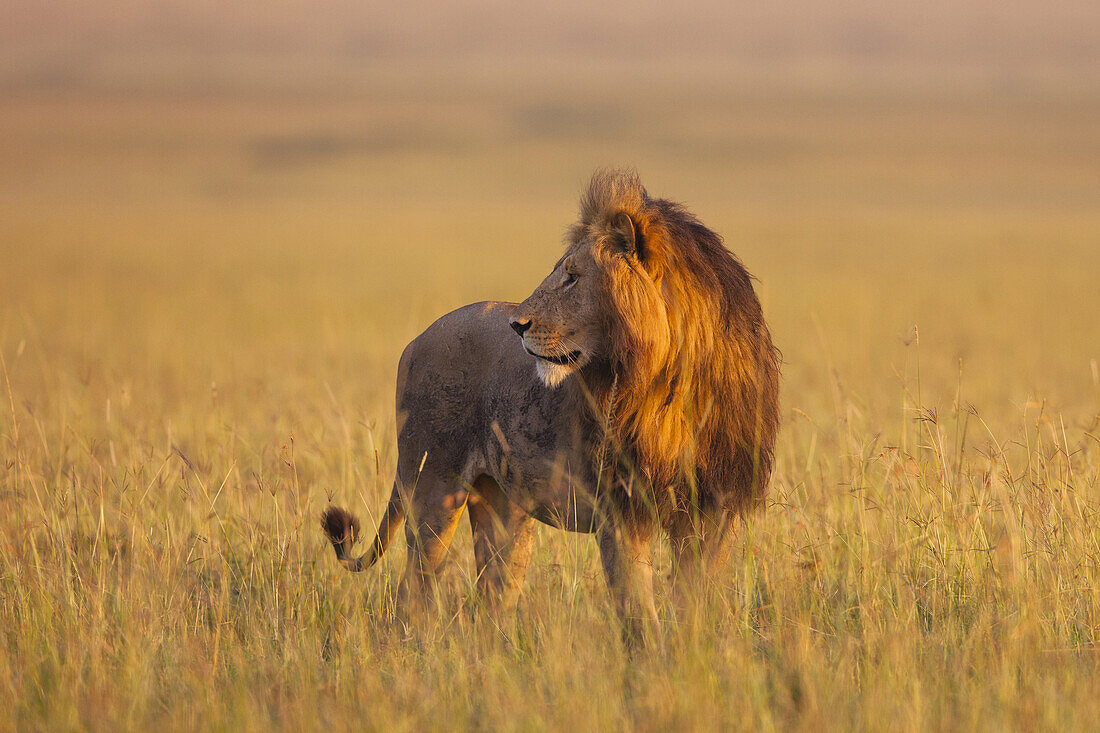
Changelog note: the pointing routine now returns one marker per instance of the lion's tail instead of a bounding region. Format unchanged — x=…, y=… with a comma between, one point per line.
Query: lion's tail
x=342, y=530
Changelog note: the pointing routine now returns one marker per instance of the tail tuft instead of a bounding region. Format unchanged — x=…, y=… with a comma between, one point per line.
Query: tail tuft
x=342, y=530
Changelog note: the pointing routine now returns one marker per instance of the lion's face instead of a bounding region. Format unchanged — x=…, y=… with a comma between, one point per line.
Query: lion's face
x=562, y=324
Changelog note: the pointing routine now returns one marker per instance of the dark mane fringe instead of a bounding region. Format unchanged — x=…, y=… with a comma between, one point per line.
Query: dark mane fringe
x=697, y=408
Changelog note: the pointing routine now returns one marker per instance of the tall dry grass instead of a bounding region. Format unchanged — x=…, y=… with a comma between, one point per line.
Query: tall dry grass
x=202, y=309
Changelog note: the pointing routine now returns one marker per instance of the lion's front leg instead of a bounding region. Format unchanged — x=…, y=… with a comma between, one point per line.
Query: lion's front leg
x=627, y=557
x=701, y=543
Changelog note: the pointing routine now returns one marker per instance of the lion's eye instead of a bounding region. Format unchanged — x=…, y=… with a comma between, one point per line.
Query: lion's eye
x=570, y=278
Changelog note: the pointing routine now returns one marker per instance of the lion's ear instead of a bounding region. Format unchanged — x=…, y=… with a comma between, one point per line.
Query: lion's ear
x=628, y=236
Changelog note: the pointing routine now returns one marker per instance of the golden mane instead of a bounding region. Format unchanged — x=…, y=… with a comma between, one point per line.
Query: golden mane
x=697, y=377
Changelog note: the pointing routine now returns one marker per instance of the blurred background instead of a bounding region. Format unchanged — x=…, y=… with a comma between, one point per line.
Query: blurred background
x=220, y=223
x=208, y=192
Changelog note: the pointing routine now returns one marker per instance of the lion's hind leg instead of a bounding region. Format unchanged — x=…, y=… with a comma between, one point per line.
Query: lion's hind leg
x=504, y=537
x=436, y=507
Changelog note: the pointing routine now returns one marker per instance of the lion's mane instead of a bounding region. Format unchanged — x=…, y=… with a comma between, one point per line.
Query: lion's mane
x=695, y=406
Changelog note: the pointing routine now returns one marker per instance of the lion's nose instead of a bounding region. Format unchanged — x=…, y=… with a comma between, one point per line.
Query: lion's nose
x=520, y=325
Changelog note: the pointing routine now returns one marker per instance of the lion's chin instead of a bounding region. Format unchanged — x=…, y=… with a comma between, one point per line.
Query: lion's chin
x=553, y=374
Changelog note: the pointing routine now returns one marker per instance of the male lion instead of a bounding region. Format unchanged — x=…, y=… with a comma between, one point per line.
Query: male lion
x=641, y=393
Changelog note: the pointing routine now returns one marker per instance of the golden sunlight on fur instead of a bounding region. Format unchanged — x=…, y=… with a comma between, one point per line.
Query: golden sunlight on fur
x=652, y=405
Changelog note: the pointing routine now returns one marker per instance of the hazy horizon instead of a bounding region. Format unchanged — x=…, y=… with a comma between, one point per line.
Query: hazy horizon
x=205, y=45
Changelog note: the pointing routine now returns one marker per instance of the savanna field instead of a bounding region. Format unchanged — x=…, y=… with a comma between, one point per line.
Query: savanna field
x=203, y=297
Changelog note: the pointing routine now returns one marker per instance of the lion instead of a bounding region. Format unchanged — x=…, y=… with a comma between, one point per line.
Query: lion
x=635, y=391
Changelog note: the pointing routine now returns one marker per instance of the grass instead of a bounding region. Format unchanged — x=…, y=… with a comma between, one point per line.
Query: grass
x=203, y=304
